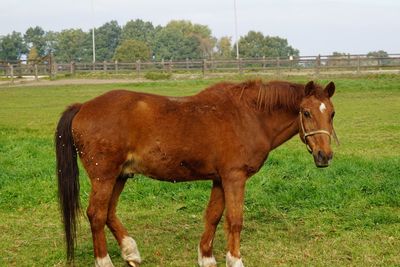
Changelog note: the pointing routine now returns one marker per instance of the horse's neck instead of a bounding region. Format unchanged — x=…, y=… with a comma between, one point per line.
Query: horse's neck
x=280, y=126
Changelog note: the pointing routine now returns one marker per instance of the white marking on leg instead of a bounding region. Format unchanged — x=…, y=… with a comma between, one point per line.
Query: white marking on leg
x=232, y=261
x=322, y=107
x=130, y=250
x=103, y=262
x=205, y=261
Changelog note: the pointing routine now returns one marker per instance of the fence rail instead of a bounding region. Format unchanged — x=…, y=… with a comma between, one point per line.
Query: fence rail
x=304, y=64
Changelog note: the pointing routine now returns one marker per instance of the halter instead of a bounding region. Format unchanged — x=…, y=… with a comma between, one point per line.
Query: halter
x=311, y=133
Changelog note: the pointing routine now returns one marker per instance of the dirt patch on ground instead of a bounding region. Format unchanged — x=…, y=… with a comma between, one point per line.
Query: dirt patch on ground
x=43, y=82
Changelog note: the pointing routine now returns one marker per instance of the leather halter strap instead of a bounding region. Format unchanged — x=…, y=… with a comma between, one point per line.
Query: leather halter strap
x=311, y=133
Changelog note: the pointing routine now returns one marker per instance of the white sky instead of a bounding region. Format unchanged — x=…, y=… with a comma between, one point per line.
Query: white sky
x=312, y=26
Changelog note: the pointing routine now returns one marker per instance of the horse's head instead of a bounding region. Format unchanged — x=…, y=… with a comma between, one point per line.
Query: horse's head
x=316, y=122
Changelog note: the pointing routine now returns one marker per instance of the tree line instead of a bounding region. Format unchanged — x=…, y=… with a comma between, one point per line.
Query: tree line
x=138, y=40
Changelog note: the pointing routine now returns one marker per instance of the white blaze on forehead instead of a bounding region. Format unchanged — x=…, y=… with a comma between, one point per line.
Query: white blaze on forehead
x=322, y=107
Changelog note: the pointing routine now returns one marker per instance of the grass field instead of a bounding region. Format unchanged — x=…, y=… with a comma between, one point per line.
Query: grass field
x=295, y=214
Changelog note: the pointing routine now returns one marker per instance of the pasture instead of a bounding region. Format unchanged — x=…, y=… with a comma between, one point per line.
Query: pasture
x=295, y=214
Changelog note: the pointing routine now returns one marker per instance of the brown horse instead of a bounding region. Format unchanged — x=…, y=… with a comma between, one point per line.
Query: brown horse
x=223, y=134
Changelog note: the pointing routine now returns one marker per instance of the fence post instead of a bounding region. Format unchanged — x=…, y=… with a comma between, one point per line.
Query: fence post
x=12, y=73
x=358, y=64
x=278, y=66
x=116, y=66
x=348, y=60
x=36, y=72
x=51, y=70
x=163, y=65
x=104, y=66
x=240, y=67
x=72, y=67
x=170, y=66
x=138, y=67
x=317, y=64
x=54, y=70
x=204, y=67
x=263, y=62
x=187, y=63
x=290, y=63
x=19, y=70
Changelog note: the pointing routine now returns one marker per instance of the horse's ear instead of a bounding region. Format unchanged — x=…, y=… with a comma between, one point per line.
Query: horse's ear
x=309, y=89
x=330, y=89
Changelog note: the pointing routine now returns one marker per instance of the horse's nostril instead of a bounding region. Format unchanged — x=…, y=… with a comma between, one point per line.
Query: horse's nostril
x=321, y=155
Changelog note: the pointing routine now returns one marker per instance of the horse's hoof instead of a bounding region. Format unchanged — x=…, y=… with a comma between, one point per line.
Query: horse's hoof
x=133, y=264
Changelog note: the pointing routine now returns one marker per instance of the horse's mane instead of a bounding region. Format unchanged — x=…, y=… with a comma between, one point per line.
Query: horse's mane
x=265, y=96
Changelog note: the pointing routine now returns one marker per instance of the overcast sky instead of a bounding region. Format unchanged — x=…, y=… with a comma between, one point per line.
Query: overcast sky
x=312, y=26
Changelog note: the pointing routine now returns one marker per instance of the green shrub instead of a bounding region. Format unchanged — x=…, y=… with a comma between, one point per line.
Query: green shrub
x=157, y=76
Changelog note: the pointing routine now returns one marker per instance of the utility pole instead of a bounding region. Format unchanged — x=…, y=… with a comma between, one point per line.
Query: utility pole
x=236, y=30
x=93, y=39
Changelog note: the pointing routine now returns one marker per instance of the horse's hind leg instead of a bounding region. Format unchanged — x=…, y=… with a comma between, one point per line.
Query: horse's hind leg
x=97, y=211
x=212, y=217
x=129, y=249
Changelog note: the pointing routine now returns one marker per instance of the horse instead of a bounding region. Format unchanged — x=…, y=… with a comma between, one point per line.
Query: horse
x=223, y=134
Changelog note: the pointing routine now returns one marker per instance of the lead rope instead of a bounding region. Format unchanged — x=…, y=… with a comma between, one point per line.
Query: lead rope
x=335, y=136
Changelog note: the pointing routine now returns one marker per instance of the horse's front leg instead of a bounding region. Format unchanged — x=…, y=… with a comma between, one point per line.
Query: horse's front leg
x=129, y=249
x=234, y=185
x=212, y=216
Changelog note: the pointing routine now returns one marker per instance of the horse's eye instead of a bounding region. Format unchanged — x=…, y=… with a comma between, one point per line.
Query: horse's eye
x=307, y=114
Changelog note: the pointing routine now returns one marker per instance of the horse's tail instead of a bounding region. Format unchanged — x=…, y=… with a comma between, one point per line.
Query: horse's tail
x=68, y=174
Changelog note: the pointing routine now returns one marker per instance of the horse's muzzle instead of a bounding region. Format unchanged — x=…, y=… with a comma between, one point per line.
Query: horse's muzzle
x=322, y=159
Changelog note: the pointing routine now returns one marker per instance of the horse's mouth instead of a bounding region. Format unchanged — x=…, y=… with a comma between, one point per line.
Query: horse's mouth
x=322, y=165
x=322, y=162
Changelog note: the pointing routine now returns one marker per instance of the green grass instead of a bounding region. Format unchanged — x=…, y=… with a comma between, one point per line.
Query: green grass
x=295, y=214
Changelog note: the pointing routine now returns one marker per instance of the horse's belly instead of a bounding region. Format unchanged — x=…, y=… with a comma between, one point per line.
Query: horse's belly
x=166, y=167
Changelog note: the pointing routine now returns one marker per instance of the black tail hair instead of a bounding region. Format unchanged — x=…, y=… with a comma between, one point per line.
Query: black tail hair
x=68, y=174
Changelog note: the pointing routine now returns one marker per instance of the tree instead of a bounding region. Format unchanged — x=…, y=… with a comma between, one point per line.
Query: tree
x=252, y=45
x=224, y=48
x=33, y=55
x=35, y=37
x=172, y=44
x=12, y=46
x=201, y=32
x=138, y=30
x=381, y=56
x=279, y=47
x=131, y=51
x=255, y=44
x=73, y=45
x=51, y=41
x=378, y=54
x=107, y=39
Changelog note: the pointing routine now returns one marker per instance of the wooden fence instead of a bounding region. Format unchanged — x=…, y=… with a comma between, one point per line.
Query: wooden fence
x=304, y=64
